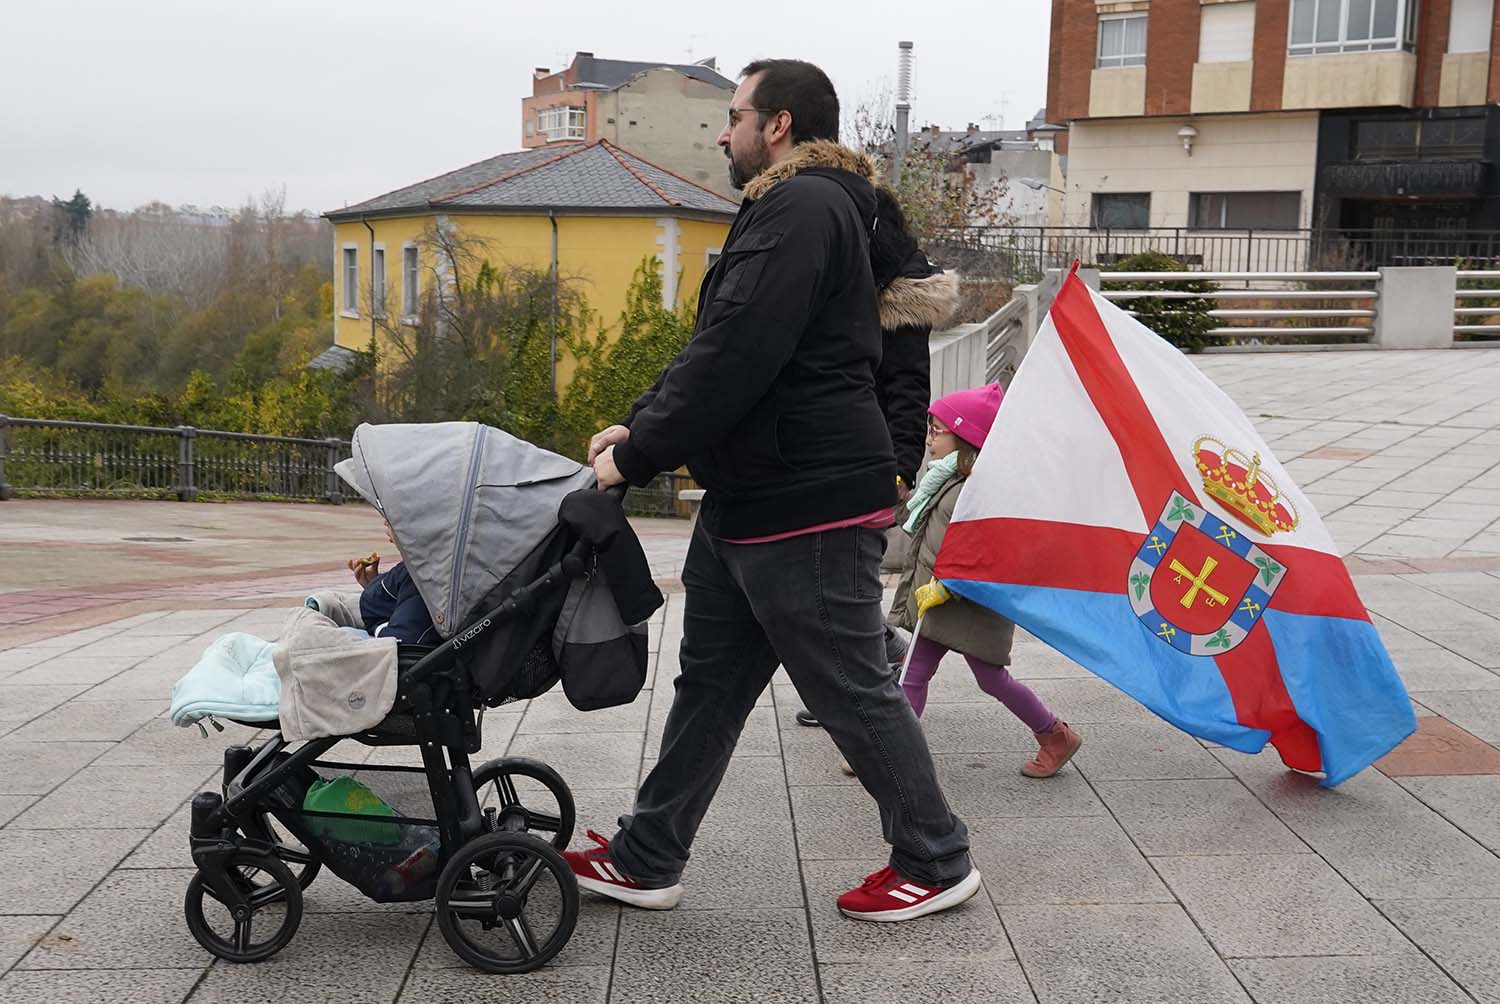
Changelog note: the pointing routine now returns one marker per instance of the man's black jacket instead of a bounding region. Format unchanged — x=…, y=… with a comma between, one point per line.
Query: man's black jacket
x=772, y=404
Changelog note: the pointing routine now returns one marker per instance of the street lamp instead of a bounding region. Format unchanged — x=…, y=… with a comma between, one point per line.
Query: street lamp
x=1037, y=184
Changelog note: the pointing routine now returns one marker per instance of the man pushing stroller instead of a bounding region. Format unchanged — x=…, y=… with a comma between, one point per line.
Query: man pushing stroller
x=773, y=407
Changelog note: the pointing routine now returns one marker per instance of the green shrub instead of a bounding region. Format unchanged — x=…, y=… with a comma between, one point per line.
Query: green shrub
x=1183, y=322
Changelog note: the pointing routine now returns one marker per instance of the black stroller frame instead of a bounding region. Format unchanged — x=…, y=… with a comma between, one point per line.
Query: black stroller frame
x=489, y=863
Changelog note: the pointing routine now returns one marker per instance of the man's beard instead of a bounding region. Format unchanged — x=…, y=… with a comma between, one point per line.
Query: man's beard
x=742, y=169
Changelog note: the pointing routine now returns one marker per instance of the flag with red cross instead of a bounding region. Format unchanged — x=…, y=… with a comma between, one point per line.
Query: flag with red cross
x=1125, y=511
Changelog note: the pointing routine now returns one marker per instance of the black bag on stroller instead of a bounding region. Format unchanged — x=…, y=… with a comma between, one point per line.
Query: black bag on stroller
x=521, y=582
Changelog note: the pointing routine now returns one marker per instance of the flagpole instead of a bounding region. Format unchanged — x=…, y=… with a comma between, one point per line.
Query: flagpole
x=906, y=663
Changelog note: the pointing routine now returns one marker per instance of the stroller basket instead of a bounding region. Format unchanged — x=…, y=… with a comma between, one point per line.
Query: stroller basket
x=390, y=862
x=391, y=858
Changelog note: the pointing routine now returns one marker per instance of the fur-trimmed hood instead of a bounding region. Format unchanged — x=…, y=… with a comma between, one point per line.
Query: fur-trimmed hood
x=819, y=153
x=918, y=301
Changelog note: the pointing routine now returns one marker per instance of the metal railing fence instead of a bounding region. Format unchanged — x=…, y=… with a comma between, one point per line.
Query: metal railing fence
x=1273, y=309
x=53, y=457
x=1025, y=254
x=1476, y=314
x=46, y=457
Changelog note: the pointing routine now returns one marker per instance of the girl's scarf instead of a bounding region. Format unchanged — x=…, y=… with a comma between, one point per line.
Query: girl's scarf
x=938, y=473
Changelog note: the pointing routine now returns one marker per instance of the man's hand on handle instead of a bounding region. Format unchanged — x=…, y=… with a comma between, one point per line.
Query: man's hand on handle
x=605, y=471
x=604, y=440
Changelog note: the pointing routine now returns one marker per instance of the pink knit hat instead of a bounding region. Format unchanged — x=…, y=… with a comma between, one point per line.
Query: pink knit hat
x=969, y=413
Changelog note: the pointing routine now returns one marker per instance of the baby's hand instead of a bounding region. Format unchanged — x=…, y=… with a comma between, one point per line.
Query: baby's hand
x=365, y=569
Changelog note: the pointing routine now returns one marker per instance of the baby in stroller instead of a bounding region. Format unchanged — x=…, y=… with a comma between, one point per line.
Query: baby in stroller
x=531, y=576
x=390, y=602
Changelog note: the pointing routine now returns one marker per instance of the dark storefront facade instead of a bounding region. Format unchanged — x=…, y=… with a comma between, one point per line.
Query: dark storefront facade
x=1423, y=178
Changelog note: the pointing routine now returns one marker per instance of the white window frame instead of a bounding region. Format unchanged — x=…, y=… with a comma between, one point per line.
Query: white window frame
x=563, y=122
x=1404, y=39
x=411, y=282
x=377, y=279
x=349, y=278
x=711, y=255
x=1122, y=59
x=1243, y=50
x=1469, y=24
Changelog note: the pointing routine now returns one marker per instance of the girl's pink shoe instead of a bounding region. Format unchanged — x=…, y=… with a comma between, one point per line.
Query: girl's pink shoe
x=1058, y=747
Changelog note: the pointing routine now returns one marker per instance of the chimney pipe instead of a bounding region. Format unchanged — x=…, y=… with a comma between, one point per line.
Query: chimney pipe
x=904, y=56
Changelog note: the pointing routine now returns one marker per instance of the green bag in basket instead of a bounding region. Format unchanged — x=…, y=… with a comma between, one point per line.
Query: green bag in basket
x=345, y=794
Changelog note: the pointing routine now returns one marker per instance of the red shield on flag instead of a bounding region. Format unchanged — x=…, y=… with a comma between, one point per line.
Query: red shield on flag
x=1199, y=582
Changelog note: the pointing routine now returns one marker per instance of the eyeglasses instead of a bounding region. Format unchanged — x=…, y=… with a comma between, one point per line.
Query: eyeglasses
x=736, y=114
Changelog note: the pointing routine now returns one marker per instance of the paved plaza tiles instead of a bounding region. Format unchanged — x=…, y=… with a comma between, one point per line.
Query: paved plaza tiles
x=1157, y=869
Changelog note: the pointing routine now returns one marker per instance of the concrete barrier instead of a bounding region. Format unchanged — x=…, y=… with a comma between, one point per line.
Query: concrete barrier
x=1415, y=307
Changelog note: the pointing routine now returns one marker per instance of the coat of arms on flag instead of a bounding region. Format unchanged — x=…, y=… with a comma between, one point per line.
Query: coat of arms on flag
x=1197, y=583
x=1125, y=511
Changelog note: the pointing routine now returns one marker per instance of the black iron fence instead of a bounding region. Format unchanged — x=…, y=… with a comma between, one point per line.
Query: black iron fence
x=47, y=457
x=1024, y=254
x=43, y=457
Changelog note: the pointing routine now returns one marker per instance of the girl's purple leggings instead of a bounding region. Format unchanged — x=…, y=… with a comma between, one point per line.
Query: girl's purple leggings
x=993, y=680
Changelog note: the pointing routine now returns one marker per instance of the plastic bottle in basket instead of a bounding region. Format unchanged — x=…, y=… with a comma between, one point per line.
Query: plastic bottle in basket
x=414, y=868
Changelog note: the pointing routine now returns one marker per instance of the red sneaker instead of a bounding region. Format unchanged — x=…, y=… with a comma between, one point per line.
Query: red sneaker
x=597, y=872
x=886, y=897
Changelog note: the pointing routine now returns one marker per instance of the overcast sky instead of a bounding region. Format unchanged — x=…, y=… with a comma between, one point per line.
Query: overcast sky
x=209, y=102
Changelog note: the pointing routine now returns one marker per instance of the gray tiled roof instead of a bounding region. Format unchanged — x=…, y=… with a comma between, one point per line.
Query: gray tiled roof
x=596, y=175
x=613, y=73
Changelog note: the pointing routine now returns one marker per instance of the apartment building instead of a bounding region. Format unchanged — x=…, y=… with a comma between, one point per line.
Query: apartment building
x=1231, y=116
x=668, y=113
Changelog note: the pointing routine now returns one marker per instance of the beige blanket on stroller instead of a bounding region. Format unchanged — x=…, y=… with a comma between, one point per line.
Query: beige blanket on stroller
x=333, y=683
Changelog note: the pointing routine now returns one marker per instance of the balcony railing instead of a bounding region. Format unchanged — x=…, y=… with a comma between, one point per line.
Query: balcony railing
x=1024, y=254
x=1391, y=180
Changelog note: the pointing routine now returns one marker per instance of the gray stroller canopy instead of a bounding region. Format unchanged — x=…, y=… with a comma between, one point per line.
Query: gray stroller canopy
x=466, y=503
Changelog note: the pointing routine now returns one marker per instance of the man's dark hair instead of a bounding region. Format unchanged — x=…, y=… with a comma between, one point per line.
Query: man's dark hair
x=791, y=85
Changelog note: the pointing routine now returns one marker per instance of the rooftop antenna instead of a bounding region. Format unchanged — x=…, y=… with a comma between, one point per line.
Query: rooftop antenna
x=904, y=67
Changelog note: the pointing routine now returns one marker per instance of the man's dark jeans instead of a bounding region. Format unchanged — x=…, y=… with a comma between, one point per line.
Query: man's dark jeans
x=811, y=603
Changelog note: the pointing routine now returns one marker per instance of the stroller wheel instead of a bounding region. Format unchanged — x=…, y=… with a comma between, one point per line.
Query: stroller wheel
x=272, y=909
x=531, y=791
x=507, y=902
x=303, y=863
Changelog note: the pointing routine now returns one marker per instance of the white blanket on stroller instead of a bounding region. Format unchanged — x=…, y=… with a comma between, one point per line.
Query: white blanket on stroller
x=235, y=679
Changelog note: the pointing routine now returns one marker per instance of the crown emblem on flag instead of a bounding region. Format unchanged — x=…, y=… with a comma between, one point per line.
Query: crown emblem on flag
x=1238, y=483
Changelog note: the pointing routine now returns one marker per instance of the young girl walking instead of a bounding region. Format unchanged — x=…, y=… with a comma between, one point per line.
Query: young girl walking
x=956, y=429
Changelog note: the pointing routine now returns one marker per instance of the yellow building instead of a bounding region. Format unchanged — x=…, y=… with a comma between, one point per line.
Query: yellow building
x=590, y=212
